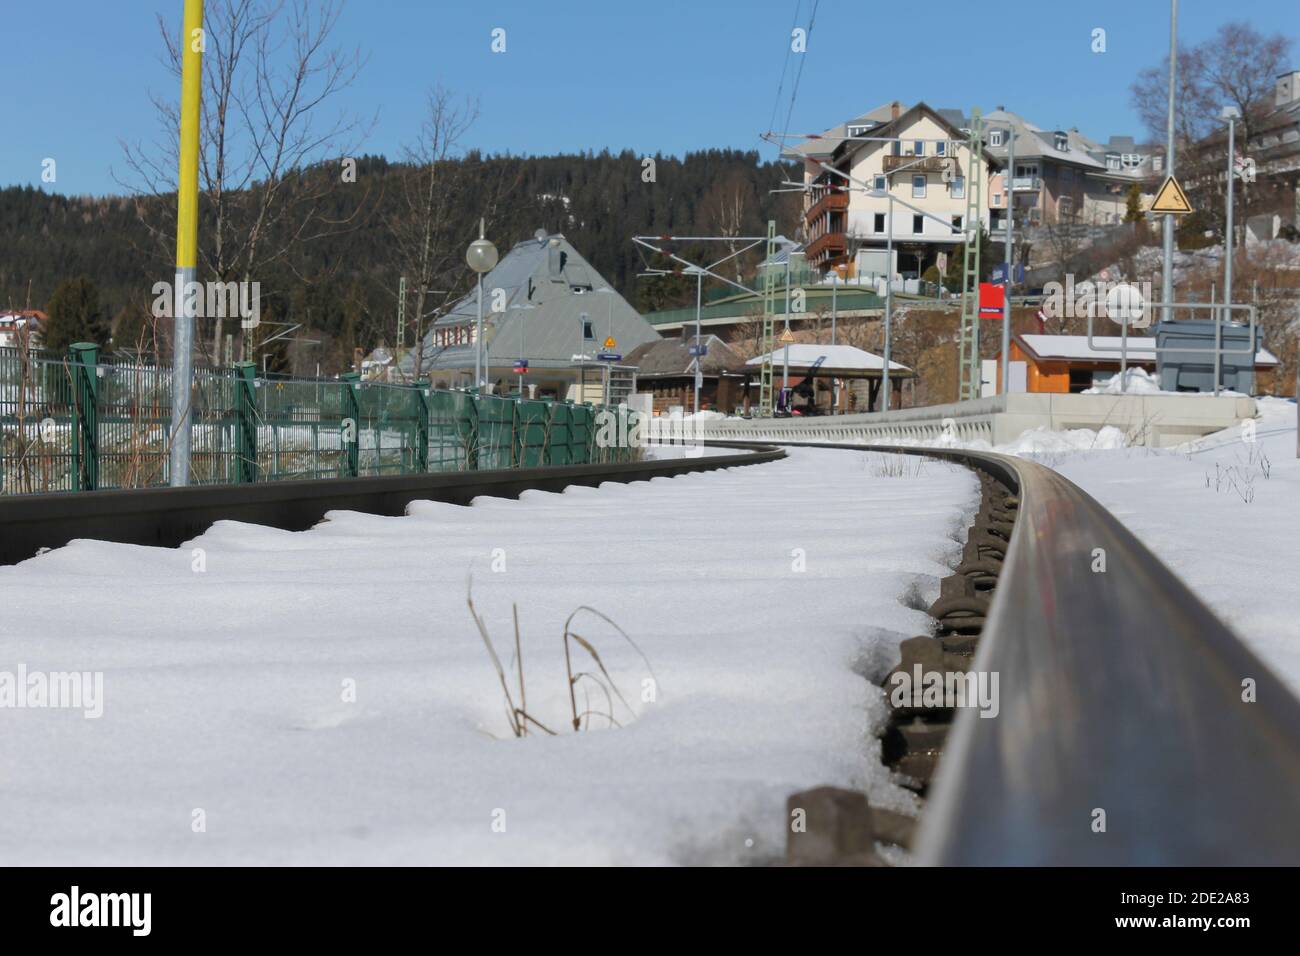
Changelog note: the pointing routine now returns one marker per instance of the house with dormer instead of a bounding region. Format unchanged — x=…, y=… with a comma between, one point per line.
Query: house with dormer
x=916, y=154
x=544, y=304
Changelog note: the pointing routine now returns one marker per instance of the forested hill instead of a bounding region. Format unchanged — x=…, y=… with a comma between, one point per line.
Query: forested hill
x=352, y=256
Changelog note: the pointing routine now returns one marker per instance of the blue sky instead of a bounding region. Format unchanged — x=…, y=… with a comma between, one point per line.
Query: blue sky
x=670, y=76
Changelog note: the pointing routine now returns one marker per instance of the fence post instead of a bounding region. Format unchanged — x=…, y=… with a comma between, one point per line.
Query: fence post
x=467, y=428
x=85, y=419
x=422, y=426
x=517, y=436
x=352, y=436
x=245, y=422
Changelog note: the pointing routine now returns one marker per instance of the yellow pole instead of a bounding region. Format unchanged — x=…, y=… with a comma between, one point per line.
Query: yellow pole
x=187, y=241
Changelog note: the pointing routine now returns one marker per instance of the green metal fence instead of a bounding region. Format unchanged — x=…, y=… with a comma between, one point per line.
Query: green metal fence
x=83, y=421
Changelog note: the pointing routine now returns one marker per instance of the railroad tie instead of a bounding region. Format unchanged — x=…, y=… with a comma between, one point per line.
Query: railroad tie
x=913, y=742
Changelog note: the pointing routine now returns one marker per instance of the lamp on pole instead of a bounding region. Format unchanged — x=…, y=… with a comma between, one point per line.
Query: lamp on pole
x=482, y=258
x=1167, y=269
x=1231, y=114
x=889, y=299
x=1008, y=256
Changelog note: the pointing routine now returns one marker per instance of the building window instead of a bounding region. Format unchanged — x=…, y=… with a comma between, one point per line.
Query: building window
x=878, y=184
x=918, y=225
x=588, y=333
x=919, y=148
x=997, y=199
x=958, y=187
x=1132, y=160
x=1112, y=160
x=956, y=224
x=1062, y=142
x=995, y=137
x=879, y=223
x=918, y=187
x=941, y=148
x=898, y=147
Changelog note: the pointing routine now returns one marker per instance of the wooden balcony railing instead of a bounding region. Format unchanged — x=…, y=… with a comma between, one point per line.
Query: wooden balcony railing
x=830, y=200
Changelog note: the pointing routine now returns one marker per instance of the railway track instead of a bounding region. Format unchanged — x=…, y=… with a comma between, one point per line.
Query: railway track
x=1132, y=726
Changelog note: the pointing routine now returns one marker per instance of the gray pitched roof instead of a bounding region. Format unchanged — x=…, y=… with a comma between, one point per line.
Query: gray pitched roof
x=832, y=139
x=545, y=286
x=1033, y=142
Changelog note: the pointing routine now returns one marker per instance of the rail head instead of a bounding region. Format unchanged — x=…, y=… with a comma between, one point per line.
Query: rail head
x=1135, y=727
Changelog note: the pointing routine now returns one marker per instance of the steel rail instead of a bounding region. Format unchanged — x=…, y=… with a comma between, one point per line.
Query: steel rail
x=168, y=517
x=1124, y=704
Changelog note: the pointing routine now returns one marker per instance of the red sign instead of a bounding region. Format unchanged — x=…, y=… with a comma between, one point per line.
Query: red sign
x=992, y=299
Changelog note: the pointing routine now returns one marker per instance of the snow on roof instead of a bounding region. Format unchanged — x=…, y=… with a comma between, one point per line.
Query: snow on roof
x=1076, y=347
x=802, y=355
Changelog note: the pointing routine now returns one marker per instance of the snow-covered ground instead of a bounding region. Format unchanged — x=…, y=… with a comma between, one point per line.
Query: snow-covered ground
x=324, y=697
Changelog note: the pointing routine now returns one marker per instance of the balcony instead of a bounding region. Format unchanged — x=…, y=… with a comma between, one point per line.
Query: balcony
x=826, y=247
x=831, y=201
x=1026, y=184
x=919, y=164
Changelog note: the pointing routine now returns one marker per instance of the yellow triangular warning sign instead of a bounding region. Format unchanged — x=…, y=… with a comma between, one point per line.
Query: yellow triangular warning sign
x=1171, y=199
x=610, y=343
x=786, y=337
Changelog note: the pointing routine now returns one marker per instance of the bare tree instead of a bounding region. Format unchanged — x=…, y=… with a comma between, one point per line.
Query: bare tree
x=434, y=222
x=269, y=76
x=431, y=186
x=1236, y=67
x=727, y=207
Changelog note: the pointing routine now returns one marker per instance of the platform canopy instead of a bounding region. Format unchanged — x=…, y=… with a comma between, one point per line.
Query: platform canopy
x=842, y=361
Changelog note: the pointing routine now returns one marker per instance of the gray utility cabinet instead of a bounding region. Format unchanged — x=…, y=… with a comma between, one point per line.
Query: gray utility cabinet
x=1189, y=365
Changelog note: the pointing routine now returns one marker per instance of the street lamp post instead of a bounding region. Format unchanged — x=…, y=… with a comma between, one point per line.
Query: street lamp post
x=889, y=298
x=1231, y=114
x=1167, y=268
x=699, y=370
x=785, y=362
x=482, y=258
x=1009, y=255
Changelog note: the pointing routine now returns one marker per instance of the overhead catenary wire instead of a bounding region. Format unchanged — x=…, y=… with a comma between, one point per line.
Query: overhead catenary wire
x=794, y=91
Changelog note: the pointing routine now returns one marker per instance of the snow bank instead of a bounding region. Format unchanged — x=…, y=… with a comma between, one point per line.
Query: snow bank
x=1043, y=441
x=228, y=692
x=1135, y=381
x=1221, y=512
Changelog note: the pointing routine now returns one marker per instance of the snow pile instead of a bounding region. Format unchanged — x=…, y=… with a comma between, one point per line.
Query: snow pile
x=1032, y=442
x=1134, y=381
x=324, y=697
x=1043, y=441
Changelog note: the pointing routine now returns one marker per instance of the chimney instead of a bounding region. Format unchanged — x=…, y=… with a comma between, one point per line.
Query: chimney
x=1287, y=90
x=555, y=260
x=894, y=109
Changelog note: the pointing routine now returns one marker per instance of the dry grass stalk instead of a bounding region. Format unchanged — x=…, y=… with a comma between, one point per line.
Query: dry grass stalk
x=517, y=714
